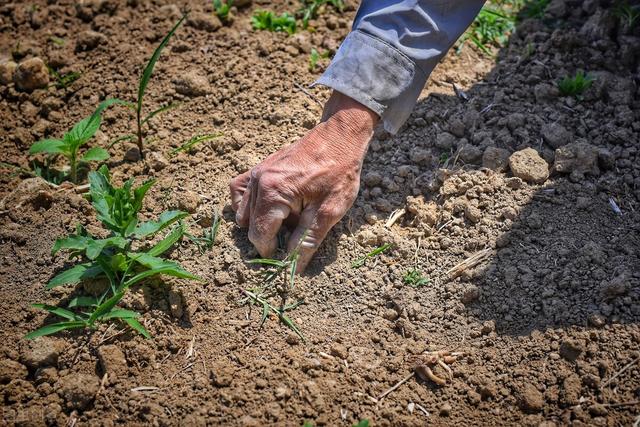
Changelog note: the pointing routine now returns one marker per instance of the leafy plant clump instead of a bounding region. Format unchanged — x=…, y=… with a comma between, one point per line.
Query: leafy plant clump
x=312, y=8
x=415, y=278
x=222, y=9
x=491, y=28
x=630, y=14
x=576, y=85
x=267, y=20
x=73, y=140
x=260, y=295
x=118, y=261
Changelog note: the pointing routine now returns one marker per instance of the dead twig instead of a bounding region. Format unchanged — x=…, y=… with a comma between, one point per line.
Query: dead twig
x=620, y=372
x=470, y=262
x=395, y=387
x=309, y=94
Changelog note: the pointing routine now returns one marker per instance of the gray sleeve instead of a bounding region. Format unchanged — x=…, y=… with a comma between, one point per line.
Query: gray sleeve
x=394, y=45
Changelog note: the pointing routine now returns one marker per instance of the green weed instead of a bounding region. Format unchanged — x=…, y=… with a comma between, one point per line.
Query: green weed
x=118, y=260
x=491, y=28
x=576, y=85
x=415, y=278
x=57, y=40
x=314, y=58
x=267, y=20
x=535, y=8
x=63, y=81
x=311, y=8
x=222, y=9
x=205, y=242
x=191, y=143
x=630, y=14
x=144, y=82
x=286, y=270
x=374, y=253
x=71, y=142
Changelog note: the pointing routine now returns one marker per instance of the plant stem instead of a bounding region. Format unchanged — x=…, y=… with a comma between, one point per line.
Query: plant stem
x=139, y=123
x=74, y=168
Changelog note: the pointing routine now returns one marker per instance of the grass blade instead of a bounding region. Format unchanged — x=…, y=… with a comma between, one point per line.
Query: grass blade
x=170, y=239
x=58, y=311
x=137, y=326
x=160, y=110
x=53, y=328
x=148, y=70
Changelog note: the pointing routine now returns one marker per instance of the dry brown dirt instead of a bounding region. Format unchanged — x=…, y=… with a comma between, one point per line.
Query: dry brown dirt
x=547, y=320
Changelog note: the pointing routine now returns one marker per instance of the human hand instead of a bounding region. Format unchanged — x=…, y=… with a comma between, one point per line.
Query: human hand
x=311, y=183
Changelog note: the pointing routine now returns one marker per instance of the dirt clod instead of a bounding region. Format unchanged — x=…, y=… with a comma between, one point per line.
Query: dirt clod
x=529, y=166
x=31, y=74
x=112, y=360
x=78, y=390
x=11, y=370
x=496, y=159
x=40, y=352
x=577, y=159
x=89, y=40
x=6, y=71
x=531, y=400
x=571, y=349
x=192, y=84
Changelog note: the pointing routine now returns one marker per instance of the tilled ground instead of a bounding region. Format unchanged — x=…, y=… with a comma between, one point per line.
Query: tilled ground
x=545, y=309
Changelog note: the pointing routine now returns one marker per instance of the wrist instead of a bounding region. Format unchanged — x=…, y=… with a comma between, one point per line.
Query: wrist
x=351, y=123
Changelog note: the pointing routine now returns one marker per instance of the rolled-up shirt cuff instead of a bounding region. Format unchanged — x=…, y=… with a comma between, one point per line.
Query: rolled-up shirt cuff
x=378, y=76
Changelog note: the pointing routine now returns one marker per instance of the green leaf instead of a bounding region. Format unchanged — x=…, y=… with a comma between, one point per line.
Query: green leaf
x=187, y=146
x=151, y=227
x=87, y=127
x=83, y=301
x=75, y=242
x=362, y=423
x=148, y=70
x=105, y=307
x=140, y=192
x=95, y=154
x=170, y=239
x=53, y=328
x=75, y=274
x=120, y=313
x=59, y=311
x=50, y=146
x=137, y=326
x=160, y=110
x=157, y=266
x=267, y=261
x=265, y=313
x=95, y=247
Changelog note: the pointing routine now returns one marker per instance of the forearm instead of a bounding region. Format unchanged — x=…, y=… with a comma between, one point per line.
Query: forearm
x=385, y=61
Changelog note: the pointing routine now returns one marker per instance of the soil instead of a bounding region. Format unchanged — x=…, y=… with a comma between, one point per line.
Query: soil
x=545, y=310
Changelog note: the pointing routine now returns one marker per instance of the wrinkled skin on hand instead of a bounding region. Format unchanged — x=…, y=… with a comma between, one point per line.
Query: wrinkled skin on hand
x=311, y=183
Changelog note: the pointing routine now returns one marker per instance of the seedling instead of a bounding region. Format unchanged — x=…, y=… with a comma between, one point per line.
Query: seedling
x=415, y=278
x=191, y=143
x=208, y=238
x=311, y=8
x=314, y=57
x=630, y=14
x=575, y=86
x=117, y=260
x=285, y=269
x=142, y=87
x=57, y=41
x=374, y=253
x=222, y=9
x=71, y=142
x=491, y=28
x=267, y=20
x=535, y=8
x=63, y=81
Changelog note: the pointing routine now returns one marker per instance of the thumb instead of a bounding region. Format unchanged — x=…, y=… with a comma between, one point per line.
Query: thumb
x=315, y=223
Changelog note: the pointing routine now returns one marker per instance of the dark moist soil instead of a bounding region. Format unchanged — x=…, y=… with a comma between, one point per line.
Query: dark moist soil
x=546, y=316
